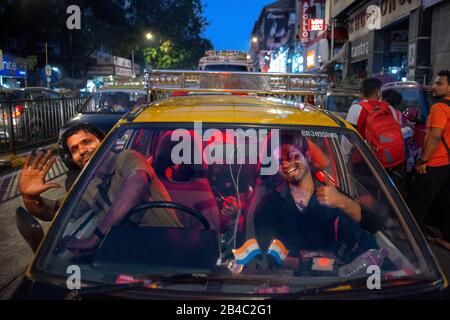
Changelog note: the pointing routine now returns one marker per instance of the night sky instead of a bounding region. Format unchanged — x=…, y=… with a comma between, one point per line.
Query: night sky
x=231, y=22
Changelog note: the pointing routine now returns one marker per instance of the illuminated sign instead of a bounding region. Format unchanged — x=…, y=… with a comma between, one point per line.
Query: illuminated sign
x=310, y=59
x=316, y=24
x=304, y=36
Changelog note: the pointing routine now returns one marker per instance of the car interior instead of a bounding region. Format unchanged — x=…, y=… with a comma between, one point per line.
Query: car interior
x=203, y=188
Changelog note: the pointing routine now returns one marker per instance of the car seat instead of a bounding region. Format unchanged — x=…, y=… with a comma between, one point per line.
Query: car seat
x=193, y=190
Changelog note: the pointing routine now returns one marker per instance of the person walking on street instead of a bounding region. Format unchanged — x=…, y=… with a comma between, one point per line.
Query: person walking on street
x=376, y=122
x=432, y=179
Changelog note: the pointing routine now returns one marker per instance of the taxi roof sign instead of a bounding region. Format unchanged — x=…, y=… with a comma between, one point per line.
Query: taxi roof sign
x=226, y=53
x=240, y=82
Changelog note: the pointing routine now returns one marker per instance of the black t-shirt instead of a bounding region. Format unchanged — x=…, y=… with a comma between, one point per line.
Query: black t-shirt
x=315, y=228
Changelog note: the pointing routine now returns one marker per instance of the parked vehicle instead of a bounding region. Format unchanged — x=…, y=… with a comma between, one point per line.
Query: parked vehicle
x=32, y=111
x=418, y=99
x=339, y=99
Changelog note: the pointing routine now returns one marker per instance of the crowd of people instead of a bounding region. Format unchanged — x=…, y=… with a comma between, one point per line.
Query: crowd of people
x=422, y=172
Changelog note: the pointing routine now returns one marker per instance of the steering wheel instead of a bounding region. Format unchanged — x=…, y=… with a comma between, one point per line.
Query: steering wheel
x=170, y=205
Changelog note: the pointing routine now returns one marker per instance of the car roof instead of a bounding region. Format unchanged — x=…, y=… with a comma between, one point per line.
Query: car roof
x=37, y=89
x=405, y=84
x=233, y=109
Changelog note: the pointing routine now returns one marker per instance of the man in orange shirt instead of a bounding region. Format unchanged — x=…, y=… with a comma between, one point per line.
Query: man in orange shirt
x=433, y=167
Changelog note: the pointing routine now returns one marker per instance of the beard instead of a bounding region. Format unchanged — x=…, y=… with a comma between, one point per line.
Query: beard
x=85, y=158
x=295, y=173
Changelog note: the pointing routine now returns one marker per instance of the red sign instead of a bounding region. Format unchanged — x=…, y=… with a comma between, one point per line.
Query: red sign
x=304, y=33
x=316, y=24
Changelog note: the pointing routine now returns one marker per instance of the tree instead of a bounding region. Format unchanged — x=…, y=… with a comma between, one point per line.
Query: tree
x=177, y=26
x=108, y=25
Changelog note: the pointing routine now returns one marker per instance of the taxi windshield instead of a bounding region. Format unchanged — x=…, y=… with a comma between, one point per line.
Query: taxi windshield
x=277, y=207
x=114, y=101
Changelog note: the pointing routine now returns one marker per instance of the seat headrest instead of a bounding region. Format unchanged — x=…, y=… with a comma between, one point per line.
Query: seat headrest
x=163, y=158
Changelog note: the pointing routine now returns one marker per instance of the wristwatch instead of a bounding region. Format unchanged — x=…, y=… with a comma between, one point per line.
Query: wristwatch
x=421, y=161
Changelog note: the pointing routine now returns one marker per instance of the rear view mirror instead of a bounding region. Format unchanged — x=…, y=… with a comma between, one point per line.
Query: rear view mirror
x=29, y=228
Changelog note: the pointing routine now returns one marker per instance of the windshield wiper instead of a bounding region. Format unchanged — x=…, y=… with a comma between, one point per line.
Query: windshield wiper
x=335, y=286
x=143, y=282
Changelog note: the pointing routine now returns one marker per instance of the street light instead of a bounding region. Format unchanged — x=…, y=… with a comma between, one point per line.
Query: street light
x=148, y=36
x=254, y=39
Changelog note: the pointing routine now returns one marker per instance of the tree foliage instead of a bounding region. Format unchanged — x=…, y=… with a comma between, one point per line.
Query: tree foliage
x=108, y=25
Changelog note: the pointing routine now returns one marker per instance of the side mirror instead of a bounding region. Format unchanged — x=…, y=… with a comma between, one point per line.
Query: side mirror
x=30, y=229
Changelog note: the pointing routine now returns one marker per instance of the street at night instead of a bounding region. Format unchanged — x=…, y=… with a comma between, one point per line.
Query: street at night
x=224, y=150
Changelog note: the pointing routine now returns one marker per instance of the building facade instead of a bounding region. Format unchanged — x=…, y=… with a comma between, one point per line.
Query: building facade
x=273, y=37
x=391, y=39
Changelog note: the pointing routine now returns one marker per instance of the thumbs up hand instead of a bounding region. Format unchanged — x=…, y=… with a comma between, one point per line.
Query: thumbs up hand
x=329, y=195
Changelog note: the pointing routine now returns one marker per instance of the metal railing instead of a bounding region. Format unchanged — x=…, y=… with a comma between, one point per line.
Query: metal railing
x=28, y=123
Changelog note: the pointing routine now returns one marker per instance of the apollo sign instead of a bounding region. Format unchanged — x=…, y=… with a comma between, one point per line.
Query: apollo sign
x=304, y=37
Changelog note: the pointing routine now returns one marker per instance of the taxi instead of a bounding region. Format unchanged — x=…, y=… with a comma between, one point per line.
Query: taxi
x=273, y=199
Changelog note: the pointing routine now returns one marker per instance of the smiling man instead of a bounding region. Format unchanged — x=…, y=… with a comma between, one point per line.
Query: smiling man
x=305, y=217
x=129, y=180
x=80, y=141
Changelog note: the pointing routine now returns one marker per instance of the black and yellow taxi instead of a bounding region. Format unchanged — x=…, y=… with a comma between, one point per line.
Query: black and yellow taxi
x=274, y=199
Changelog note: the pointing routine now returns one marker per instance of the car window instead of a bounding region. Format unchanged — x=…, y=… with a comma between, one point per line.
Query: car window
x=208, y=169
x=38, y=95
x=339, y=103
x=115, y=101
x=18, y=95
x=53, y=95
x=92, y=103
x=410, y=98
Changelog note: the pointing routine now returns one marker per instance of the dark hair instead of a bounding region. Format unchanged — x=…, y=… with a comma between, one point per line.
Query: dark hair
x=444, y=73
x=370, y=86
x=392, y=97
x=295, y=139
x=80, y=127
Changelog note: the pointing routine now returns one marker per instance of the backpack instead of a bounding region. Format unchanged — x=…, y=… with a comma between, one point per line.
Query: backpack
x=381, y=132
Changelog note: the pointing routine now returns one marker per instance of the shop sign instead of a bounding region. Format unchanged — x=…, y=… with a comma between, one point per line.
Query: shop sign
x=304, y=34
x=122, y=62
x=101, y=70
x=316, y=24
x=124, y=72
x=13, y=66
x=391, y=11
x=360, y=49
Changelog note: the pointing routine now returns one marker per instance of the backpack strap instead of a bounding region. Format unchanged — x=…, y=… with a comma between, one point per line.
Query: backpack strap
x=366, y=108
